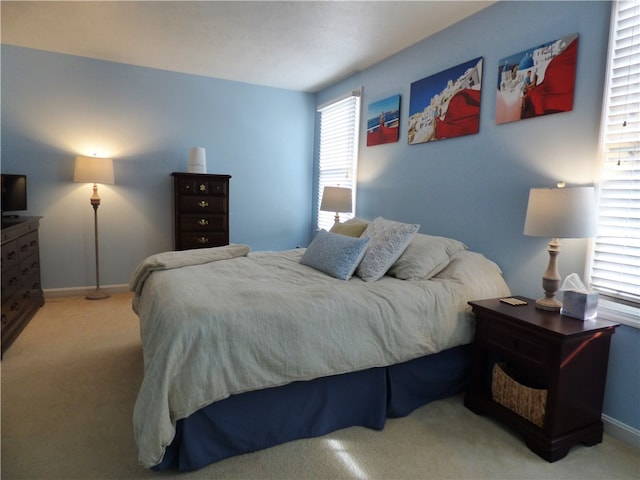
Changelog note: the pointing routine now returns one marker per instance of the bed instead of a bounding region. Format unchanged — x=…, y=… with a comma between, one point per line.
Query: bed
x=245, y=350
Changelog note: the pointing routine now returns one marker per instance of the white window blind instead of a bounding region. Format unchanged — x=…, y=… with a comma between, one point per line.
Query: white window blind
x=338, y=151
x=615, y=260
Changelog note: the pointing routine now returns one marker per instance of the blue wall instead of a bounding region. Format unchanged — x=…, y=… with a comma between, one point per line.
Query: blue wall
x=473, y=188
x=57, y=106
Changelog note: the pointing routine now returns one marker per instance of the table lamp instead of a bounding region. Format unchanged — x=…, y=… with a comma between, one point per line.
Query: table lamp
x=559, y=213
x=336, y=199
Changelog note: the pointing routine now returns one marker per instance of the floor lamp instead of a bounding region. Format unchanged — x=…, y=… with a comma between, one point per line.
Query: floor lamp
x=95, y=170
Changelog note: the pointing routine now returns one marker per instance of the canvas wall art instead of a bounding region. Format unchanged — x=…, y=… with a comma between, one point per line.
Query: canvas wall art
x=446, y=105
x=538, y=81
x=383, y=121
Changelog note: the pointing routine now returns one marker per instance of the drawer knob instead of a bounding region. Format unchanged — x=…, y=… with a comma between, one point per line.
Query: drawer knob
x=203, y=240
x=203, y=187
x=203, y=204
x=203, y=222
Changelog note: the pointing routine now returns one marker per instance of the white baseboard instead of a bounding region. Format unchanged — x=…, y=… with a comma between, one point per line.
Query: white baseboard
x=81, y=291
x=621, y=431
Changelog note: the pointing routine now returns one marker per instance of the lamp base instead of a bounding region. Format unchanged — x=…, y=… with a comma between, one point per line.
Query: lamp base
x=549, y=304
x=97, y=294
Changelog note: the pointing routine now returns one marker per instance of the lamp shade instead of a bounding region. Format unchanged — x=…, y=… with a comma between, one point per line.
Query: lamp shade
x=561, y=212
x=93, y=170
x=336, y=199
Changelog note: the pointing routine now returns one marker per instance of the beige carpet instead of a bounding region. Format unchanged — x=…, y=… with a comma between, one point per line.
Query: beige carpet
x=70, y=380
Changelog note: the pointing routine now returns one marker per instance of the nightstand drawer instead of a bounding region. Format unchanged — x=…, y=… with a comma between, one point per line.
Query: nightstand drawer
x=514, y=345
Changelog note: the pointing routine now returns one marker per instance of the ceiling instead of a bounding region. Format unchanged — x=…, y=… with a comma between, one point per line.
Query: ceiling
x=296, y=45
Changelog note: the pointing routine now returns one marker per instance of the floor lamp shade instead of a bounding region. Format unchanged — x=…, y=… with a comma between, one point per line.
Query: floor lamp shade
x=95, y=170
x=559, y=213
x=336, y=199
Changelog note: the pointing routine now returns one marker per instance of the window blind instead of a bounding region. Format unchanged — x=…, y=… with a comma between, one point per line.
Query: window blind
x=615, y=260
x=338, y=151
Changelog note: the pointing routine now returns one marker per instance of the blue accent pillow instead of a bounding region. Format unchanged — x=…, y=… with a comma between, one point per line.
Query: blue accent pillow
x=335, y=254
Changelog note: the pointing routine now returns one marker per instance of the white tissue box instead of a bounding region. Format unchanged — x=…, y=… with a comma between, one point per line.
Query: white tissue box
x=581, y=305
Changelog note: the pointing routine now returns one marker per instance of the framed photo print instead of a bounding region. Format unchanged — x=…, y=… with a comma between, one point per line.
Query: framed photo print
x=447, y=104
x=383, y=121
x=539, y=81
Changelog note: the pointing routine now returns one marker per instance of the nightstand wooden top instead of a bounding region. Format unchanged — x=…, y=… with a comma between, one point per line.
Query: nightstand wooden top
x=530, y=315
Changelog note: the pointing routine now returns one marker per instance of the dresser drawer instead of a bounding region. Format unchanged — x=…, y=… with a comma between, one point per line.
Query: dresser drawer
x=9, y=254
x=10, y=281
x=27, y=245
x=203, y=204
x=29, y=266
x=514, y=345
x=190, y=186
x=19, y=306
x=190, y=240
x=10, y=313
x=203, y=223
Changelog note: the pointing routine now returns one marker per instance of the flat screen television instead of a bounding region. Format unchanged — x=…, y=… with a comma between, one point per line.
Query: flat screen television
x=14, y=193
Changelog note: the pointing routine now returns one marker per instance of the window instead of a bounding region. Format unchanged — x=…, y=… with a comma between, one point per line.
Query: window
x=615, y=259
x=338, y=151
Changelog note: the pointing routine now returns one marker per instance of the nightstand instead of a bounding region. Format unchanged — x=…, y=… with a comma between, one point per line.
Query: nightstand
x=560, y=357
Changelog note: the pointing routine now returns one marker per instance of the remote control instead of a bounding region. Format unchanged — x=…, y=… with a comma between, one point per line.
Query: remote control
x=513, y=301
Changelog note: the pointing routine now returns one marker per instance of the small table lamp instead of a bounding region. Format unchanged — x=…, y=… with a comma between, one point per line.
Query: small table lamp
x=336, y=199
x=94, y=170
x=559, y=213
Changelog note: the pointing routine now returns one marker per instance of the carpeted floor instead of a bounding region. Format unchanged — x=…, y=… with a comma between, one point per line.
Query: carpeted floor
x=70, y=381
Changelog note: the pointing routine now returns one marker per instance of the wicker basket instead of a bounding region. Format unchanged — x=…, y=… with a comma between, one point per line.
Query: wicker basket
x=527, y=402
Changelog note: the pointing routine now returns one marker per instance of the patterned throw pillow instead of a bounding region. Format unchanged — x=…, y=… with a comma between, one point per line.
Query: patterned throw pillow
x=335, y=254
x=388, y=240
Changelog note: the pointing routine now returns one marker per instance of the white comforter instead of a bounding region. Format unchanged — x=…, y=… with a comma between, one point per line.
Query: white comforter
x=263, y=320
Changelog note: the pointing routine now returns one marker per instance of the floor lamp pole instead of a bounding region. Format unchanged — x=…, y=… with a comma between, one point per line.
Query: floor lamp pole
x=97, y=294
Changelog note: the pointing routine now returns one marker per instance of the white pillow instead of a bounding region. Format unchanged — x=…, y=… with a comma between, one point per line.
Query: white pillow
x=335, y=254
x=388, y=240
x=482, y=277
x=425, y=256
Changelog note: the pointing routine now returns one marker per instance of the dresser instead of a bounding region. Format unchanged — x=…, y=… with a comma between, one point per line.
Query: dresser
x=562, y=360
x=201, y=210
x=21, y=289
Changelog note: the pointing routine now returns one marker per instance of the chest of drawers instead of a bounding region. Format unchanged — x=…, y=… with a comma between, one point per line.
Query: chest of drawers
x=21, y=290
x=201, y=210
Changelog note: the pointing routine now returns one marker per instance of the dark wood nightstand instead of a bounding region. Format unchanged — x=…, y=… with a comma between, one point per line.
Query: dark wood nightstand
x=562, y=355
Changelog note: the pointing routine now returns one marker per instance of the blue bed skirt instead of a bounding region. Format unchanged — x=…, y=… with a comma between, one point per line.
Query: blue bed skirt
x=261, y=419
